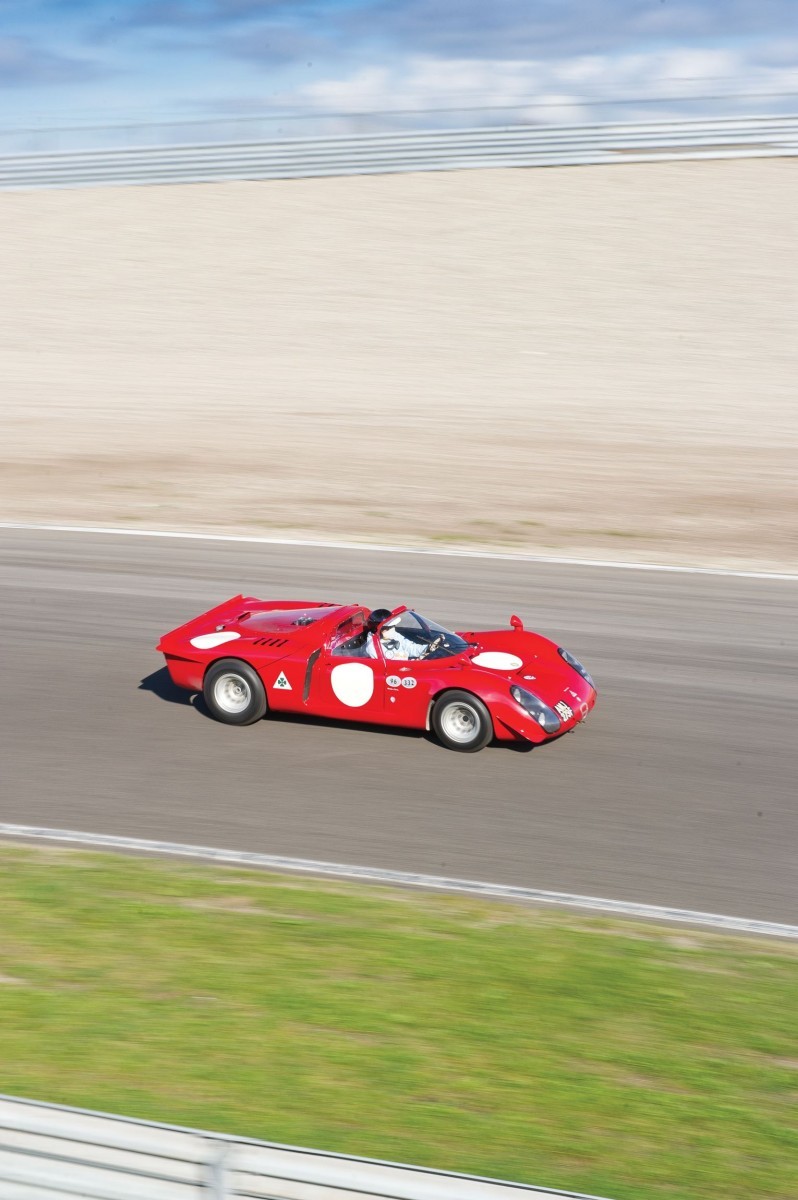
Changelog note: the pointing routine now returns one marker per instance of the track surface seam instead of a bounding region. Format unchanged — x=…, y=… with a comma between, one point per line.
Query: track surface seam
x=425, y=550
x=471, y=887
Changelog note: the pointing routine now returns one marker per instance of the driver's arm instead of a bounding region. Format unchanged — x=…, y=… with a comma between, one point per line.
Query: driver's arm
x=370, y=650
x=414, y=649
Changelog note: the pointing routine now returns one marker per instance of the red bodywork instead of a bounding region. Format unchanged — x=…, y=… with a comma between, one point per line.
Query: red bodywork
x=289, y=643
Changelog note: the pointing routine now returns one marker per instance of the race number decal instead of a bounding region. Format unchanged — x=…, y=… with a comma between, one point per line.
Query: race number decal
x=353, y=684
x=207, y=641
x=393, y=681
x=408, y=683
x=497, y=660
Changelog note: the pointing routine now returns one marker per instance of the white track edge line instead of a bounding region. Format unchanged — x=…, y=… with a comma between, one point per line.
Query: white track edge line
x=427, y=550
x=471, y=887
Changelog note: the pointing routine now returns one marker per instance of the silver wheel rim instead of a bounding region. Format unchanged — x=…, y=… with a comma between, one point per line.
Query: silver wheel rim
x=460, y=723
x=232, y=693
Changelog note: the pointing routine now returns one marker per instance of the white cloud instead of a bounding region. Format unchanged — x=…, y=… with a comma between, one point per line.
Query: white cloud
x=565, y=90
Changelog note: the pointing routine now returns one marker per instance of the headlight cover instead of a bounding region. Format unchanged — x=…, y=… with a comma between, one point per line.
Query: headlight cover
x=577, y=666
x=546, y=717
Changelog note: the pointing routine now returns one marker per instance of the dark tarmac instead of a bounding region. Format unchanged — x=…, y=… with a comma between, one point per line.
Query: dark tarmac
x=680, y=790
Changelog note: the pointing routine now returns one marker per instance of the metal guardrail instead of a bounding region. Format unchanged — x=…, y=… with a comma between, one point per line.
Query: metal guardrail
x=48, y=1152
x=374, y=154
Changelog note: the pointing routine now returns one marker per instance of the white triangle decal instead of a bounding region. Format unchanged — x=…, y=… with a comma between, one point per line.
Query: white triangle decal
x=282, y=683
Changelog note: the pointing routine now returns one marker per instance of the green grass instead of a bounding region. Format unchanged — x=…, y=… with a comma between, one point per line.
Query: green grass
x=625, y=1060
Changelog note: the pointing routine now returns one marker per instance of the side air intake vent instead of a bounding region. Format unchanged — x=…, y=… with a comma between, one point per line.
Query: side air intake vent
x=270, y=641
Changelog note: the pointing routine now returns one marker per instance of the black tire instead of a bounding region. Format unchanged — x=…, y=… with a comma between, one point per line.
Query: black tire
x=462, y=722
x=234, y=692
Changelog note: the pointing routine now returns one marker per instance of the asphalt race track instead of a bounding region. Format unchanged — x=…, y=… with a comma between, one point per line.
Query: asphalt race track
x=680, y=790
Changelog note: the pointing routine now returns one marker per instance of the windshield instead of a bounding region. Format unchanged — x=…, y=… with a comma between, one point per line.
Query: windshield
x=418, y=637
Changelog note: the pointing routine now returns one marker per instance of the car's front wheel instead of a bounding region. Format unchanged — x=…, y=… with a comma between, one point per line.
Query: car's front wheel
x=234, y=692
x=462, y=722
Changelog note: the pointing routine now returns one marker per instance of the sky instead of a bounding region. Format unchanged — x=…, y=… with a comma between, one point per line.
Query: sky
x=471, y=61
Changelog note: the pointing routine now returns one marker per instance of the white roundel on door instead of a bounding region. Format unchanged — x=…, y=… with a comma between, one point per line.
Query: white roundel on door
x=353, y=684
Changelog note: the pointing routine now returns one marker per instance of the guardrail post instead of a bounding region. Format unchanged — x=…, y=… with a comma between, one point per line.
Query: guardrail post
x=217, y=1175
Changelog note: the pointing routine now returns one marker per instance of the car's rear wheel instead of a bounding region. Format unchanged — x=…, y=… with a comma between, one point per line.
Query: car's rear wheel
x=234, y=692
x=462, y=722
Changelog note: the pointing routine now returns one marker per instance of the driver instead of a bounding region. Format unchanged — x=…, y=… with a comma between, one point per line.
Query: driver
x=396, y=645
x=393, y=642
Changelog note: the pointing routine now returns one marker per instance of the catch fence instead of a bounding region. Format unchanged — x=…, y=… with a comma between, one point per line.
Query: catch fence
x=374, y=154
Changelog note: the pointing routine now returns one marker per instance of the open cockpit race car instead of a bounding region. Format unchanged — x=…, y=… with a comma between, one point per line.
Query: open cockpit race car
x=386, y=667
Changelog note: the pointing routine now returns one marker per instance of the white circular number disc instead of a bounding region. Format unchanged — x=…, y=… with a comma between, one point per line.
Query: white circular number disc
x=497, y=661
x=206, y=641
x=353, y=684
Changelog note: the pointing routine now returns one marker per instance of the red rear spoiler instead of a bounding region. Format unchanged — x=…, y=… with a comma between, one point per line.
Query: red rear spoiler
x=228, y=608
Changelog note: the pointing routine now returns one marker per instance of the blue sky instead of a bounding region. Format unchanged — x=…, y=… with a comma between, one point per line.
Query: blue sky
x=563, y=60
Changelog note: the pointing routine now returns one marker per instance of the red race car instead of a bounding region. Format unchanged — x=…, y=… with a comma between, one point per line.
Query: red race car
x=250, y=656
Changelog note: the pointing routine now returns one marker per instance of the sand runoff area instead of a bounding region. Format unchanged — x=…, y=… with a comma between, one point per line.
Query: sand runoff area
x=586, y=361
